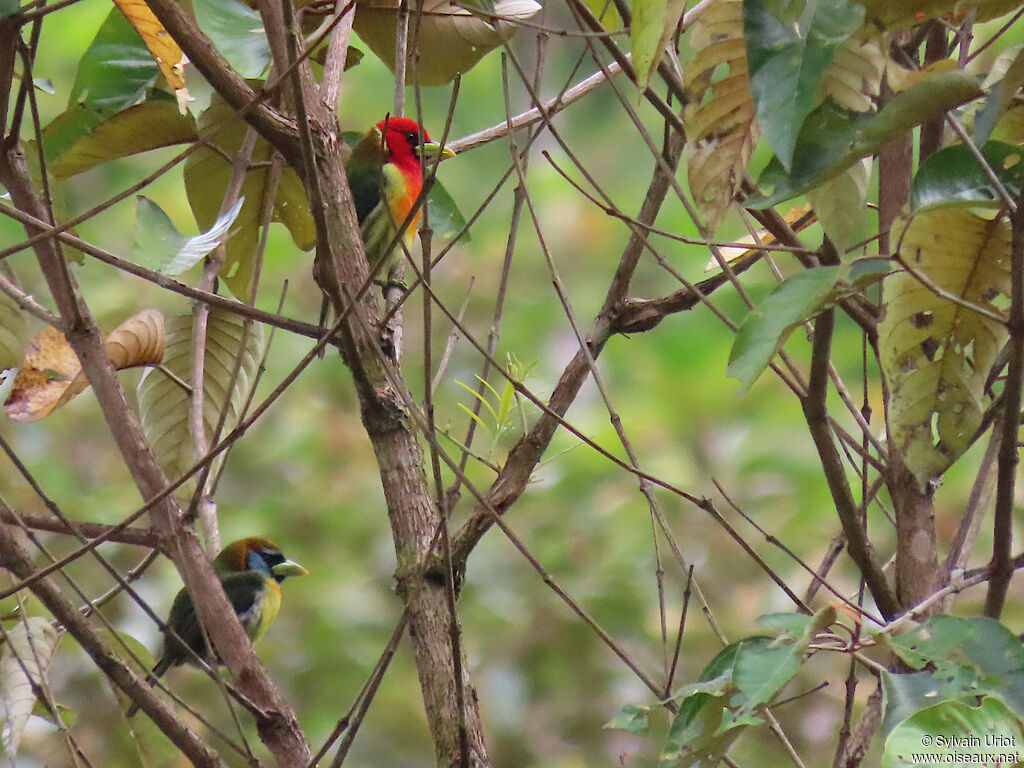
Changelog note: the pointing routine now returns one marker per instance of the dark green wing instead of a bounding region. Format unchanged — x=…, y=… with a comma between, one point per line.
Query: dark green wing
x=365, y=174
x=182, y=620
x=244, y=590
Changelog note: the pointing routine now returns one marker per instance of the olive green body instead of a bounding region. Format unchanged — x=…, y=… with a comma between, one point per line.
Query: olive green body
x=250, y=571
x=255, y=598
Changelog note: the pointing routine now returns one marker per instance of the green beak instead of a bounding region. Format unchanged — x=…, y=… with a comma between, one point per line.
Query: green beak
x=433, y=149
x=288, y=568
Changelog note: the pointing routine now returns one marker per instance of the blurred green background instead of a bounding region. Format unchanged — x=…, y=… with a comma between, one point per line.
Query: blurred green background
x=306, y=477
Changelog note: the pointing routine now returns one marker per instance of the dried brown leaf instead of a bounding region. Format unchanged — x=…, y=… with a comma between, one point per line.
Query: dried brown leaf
x=719, y=117
x=52, y=375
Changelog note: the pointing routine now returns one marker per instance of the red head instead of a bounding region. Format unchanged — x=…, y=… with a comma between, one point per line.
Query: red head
x=400, y=140
x=401, y=137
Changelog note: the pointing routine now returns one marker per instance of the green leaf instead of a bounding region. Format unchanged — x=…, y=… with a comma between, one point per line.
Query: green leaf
x=935, y=353
x=903, y=695
x=988, y=734
x=445, y=217
x=160, y=246
x=839, y=205
x=694, y=738
x=113, y=74
x=451, y=42
x=833, y=139
x=207, y=173
x=116, y=68
x=632, y=718
x=481, y=398
x=762, y=668
x=474, y=417
x=933, y=95
x=792, y=303
x=789, y=47
x=152, y=124
x=645, y=34
x=505, y=402
x=237, y=31
x=715, y=686
x=765, y=330
x=605, y=13
x=1001, y=94
x=789, y=623
x=976, y=655
x=165, y=406
x=886, y=14
x=13, y=332
x=953, y=176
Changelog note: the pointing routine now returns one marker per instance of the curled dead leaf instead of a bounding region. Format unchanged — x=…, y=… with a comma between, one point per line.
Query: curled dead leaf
x=51, y=374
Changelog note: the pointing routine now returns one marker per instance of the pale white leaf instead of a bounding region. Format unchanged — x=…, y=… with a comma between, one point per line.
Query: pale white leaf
x=23, y=662
x=160, y=246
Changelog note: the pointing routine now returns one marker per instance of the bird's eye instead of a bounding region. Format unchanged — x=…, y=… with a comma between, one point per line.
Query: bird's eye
x=413, y=138
x=261, y=559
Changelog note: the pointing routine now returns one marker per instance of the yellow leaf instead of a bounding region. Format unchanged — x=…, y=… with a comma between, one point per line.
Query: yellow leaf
x=936, y=353
x=50, y=365
x=798, y=217
x=854, y=75
x=161, y=45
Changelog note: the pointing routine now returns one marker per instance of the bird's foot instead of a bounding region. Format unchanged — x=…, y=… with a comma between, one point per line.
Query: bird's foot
x=389, y=284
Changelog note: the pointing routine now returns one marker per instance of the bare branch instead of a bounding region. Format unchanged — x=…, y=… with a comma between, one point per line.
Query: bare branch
x=1006, y=474
x=817, y=422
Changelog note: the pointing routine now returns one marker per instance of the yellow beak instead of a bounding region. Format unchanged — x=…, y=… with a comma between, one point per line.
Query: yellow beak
x=288, y=568
x=433, y=149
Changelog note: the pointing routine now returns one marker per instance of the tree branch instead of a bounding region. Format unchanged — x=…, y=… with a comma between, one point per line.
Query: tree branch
x=341, y=270
x=15, y=558
x=139, y=537
x=277, y=129
x=515, y=474
x=278, y=726
x=816, y=414
x=1006, y=473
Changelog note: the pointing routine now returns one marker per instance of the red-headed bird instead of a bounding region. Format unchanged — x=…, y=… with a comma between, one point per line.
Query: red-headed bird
x=250, y=570
x=385, y=175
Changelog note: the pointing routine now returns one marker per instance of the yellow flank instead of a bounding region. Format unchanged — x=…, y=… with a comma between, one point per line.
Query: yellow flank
x=400, y=201
x=266, y=609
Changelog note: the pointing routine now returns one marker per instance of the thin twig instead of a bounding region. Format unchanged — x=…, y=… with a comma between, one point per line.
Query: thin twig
x=815, y=414
x=1006, y=473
